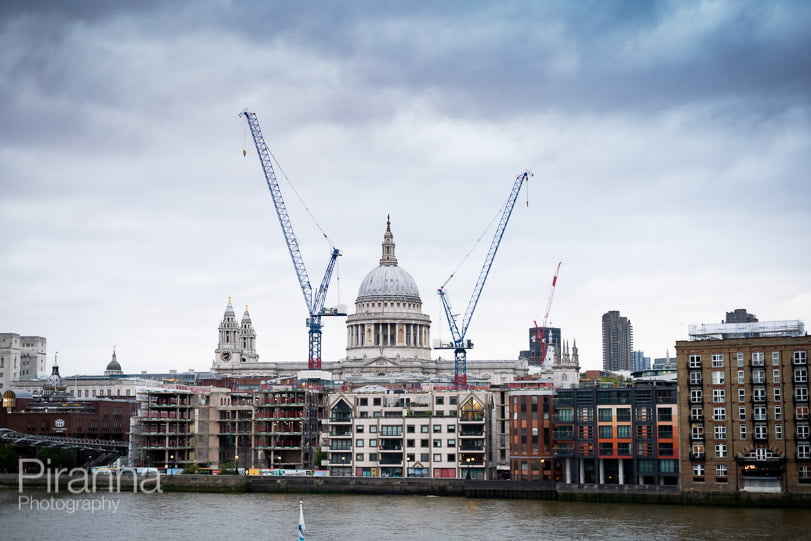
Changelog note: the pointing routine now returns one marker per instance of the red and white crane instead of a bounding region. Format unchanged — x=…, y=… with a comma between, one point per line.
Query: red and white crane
x=540, y=334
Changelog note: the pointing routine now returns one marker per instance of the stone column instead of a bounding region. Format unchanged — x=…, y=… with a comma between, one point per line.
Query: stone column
x=621, y=473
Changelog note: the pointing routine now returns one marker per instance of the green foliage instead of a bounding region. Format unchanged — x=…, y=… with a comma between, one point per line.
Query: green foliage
x=60, y=458
x=190, y=469
x=8, y=458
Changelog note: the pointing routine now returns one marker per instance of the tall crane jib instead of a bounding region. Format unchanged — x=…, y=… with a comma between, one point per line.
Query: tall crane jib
x=460, y=345
x=315, y=304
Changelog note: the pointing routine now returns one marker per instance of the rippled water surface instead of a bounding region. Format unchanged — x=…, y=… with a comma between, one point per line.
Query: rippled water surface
x=274, y=516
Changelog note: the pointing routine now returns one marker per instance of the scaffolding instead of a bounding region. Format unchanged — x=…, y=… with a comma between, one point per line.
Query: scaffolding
x=757, y=329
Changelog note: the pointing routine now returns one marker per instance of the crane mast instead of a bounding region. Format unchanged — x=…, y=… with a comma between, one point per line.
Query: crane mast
x=459, y=344
x=540, y=334
x=315, y=304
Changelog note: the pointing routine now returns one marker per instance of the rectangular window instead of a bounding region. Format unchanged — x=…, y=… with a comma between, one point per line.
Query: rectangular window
x=720, y=450
x=424, y=429
x=373, y=457
x=606, y=431
x=665, y=431
x=717, y=360
x=718, y=395
x=802, y=432
x=440, y=400
x=718, y=377
x=741, y=377
x=759, y=376
x=665, y=449
x=739, y=358
x=358, y=443
x=742, y=413
x=695, y=377
x=778, y=432
x=698, y=472
x=721, y=472
x=624, y=415
x=800, y=375
x=409, y=443
x=778, y=413
x=375, y=401
x=696, y=431
x=437, y=428
x=437, y=457
x=359, y=457
x=757, y=358
x=696, y=413
x=624, y=431
x=803, y=450
x=778, y=395
x=437, y=443
x=759, y=413
x=665, y=415
x=424, y=443
x=742, y=432
x=606, y=448
x=373, y=428
x=425, y=457
x=372, y=443
x=801, y=394
x=605, y=414
x=719, y=414
x=451, y=443
x=695, y=395
x=720, y=432
x=761, y=432
x=363, y=402
x=801, y=413
x=799, y=357
x=624, y=449
x=776, y=375
x=695, y=361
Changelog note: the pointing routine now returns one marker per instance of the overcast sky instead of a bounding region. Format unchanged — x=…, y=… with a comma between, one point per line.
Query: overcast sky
x=669, y=142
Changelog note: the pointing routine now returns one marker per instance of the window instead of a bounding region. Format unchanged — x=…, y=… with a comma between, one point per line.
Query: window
x=376, y=401
x=742, y=432
x=605, y=414
x=698, y=450
x=759, y=413
x=450, y=428
x=451, y=443
x=720, y=450
x=452, y=400
x=802, y=431
x=425, y=457
x=775, y=358
x=696, y=432
x=695, y=377
x=805, y=474
x=373, y=428
x=759, y=394
x=759, y=376
x=717, y=360
x=665, y=414
x=665, y=431
x=363, y=402
x=718, y=395
x=695, y=395
x=719, y=414
x=778, y=413
x=452, y=457
x=741, y=376
x=742, y=413
x=720, y=432
x=803, y=450
x=800, y=375
x=761, y=432
x=440, y=400
x=757, y=358
x=424, y=429
x=778, y=432
x=424, y=443
x=606, y=431
x=624, y=449
x=739, y=358
x=776, y=376
x=437, y=428
x=718, y=378
x=606, y=448
x=696, y=413
x=437, y=457
x=695, y=361
x=778, y=395
x=624, y=431
x=359, y=457
x=410, y=429
x=801, y=394
x=624, y=415
x=801, y=412
x=721, y=472
x=372, y=443
x=698, y=472
x=410, y=443
x=437, y=443
x=373, y=457
x=799, y=357
x=358, y=443
x=741, y=394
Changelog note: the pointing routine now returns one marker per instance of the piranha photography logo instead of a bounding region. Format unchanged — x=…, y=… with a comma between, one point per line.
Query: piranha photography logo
x=79, y=489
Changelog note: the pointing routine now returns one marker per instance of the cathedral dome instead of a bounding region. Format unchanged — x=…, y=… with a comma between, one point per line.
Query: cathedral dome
x=388, y=281
x=113, y=366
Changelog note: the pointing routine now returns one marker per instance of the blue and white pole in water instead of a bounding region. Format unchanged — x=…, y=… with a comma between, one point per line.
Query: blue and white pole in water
x=300, y=520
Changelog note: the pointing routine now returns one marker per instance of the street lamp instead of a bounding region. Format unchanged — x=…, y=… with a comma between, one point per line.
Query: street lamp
x=468, y=460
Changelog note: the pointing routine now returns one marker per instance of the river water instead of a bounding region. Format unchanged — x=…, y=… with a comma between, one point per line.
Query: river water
x=247, y=517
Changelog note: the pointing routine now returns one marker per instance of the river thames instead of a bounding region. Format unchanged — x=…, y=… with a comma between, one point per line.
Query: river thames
x=336, y=517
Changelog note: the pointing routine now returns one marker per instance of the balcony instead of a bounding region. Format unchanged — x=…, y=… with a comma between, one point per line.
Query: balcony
x=564, y=451
x=390, y=459
x=341, y=418
x=563, y=435
x=477, y=433
x=471, y=417
x=471, y=445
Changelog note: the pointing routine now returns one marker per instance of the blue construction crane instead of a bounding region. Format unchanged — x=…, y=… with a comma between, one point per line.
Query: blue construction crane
x=459, y=344
x=315, y=305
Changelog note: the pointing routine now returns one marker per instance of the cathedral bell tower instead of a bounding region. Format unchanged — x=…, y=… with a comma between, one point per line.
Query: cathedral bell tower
x=237, y=341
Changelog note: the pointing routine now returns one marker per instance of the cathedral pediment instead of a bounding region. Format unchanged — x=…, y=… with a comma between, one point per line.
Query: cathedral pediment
x=380, y=362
